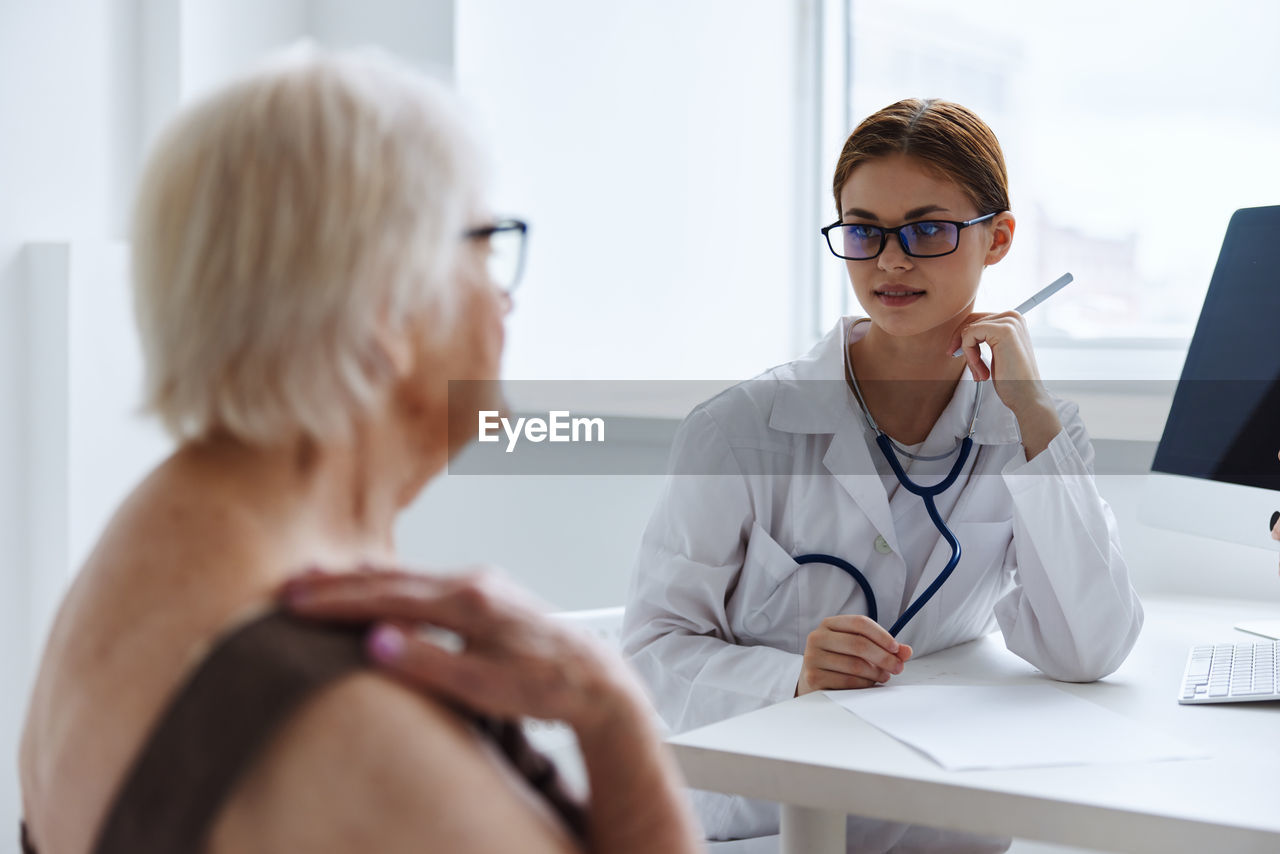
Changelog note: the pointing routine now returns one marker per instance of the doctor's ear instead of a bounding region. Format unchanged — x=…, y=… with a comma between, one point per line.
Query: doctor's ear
x=1002, y=228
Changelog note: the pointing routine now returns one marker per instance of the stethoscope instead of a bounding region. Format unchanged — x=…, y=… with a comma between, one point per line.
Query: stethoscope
x=891, y=449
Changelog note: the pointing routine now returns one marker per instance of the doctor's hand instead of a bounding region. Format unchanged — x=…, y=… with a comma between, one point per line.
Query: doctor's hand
x=504, y=658
x=849, y=651
x=1013, y=372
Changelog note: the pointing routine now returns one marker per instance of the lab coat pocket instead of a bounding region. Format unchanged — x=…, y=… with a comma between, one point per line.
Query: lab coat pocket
x=764, y=608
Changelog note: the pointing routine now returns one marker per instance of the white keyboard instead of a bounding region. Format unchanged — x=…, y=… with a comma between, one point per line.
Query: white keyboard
x=1232, y=673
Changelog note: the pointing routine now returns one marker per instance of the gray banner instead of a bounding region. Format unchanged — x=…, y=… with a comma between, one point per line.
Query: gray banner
x=1229, y=429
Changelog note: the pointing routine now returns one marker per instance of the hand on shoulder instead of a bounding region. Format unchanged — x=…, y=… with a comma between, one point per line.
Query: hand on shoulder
x=509, y=660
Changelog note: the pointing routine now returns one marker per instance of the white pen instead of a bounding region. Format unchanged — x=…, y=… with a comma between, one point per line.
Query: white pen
x=1037, y=298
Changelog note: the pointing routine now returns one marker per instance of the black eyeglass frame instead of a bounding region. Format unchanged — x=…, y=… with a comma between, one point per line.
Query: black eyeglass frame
x=484, y=232
x=902, y=241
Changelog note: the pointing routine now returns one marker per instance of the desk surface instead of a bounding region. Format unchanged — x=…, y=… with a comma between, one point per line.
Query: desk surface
x=809, y=752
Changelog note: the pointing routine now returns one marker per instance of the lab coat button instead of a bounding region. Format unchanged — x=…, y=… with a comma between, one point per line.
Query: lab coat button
x=882, y=546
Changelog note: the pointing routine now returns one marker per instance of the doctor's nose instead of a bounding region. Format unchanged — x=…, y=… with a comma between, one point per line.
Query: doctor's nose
x=893, y=257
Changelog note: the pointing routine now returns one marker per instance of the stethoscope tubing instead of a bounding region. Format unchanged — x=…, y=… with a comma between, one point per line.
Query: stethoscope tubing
x=927, y=493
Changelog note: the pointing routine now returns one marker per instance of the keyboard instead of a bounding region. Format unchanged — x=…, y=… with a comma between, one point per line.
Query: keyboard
x=1232, y=673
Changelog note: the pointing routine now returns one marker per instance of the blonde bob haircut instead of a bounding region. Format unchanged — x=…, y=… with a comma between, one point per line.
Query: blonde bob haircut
x=282, y=225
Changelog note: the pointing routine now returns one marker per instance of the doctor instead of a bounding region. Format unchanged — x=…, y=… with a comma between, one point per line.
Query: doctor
x=721, y=619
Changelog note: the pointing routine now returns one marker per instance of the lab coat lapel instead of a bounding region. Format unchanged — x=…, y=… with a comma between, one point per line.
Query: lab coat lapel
x=849, y=461
x=813, y=398
x=995, y=424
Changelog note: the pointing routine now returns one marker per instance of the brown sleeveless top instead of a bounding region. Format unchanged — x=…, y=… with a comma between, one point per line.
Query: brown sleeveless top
x=229, y=709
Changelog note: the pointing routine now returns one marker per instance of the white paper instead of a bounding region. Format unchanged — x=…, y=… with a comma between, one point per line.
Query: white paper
x=966, y=727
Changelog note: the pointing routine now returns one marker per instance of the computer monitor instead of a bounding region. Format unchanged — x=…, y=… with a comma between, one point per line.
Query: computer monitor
x=1215, y=472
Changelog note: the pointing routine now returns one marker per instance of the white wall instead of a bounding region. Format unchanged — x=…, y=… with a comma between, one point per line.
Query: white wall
x=187, y=47
x=67, y=140
x=652, y=147
x=87, y=444
x=420, y=32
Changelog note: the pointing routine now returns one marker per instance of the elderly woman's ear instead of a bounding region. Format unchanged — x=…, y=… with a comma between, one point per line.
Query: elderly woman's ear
x=393, y=347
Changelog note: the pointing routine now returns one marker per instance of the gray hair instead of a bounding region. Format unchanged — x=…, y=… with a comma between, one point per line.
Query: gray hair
x=284, y=222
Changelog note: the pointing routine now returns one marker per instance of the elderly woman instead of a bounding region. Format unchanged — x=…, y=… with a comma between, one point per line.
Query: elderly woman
x=312, y=266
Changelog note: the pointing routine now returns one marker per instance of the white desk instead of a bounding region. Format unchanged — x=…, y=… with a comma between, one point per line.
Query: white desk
x=820, y=761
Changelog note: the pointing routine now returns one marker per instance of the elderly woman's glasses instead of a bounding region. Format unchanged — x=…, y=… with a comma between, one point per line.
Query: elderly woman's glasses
x=928, y=238
x=506, y=244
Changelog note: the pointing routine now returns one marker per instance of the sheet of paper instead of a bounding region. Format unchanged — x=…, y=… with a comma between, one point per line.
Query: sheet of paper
x=965, y=727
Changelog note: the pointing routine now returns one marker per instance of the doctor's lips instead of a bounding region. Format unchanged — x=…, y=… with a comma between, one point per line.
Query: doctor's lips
x=897, y=294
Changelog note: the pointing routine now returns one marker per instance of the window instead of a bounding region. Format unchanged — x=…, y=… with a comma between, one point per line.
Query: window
x=1132, y=131
x=651, y=147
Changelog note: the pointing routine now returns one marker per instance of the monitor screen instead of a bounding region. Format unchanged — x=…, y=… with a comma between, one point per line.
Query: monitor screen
x=1224, y=423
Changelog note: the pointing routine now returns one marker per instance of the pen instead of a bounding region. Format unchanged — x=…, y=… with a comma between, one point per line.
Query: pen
x=1038, y=297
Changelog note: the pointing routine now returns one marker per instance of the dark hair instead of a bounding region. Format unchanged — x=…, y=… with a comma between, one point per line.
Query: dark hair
x=944, y=135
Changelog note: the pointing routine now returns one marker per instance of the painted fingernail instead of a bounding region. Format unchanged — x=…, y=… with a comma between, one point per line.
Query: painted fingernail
x=386, y=643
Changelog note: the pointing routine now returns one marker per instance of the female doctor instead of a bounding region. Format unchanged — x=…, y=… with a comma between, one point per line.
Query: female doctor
x=721, y=618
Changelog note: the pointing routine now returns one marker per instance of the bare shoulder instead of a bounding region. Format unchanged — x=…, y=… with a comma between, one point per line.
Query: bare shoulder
x=369, y=764
x=170, y=572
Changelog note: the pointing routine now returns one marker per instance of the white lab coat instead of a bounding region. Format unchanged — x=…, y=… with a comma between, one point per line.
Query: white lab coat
x=719, y=612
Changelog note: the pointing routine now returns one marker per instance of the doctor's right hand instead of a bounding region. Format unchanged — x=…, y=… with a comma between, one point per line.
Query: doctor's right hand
x=849, y=651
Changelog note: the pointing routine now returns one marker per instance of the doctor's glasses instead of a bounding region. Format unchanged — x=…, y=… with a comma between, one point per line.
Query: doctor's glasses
x=928, y=238
x=506, y=248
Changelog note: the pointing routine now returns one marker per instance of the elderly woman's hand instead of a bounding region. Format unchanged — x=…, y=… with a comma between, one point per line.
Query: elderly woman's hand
x=513, y=660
